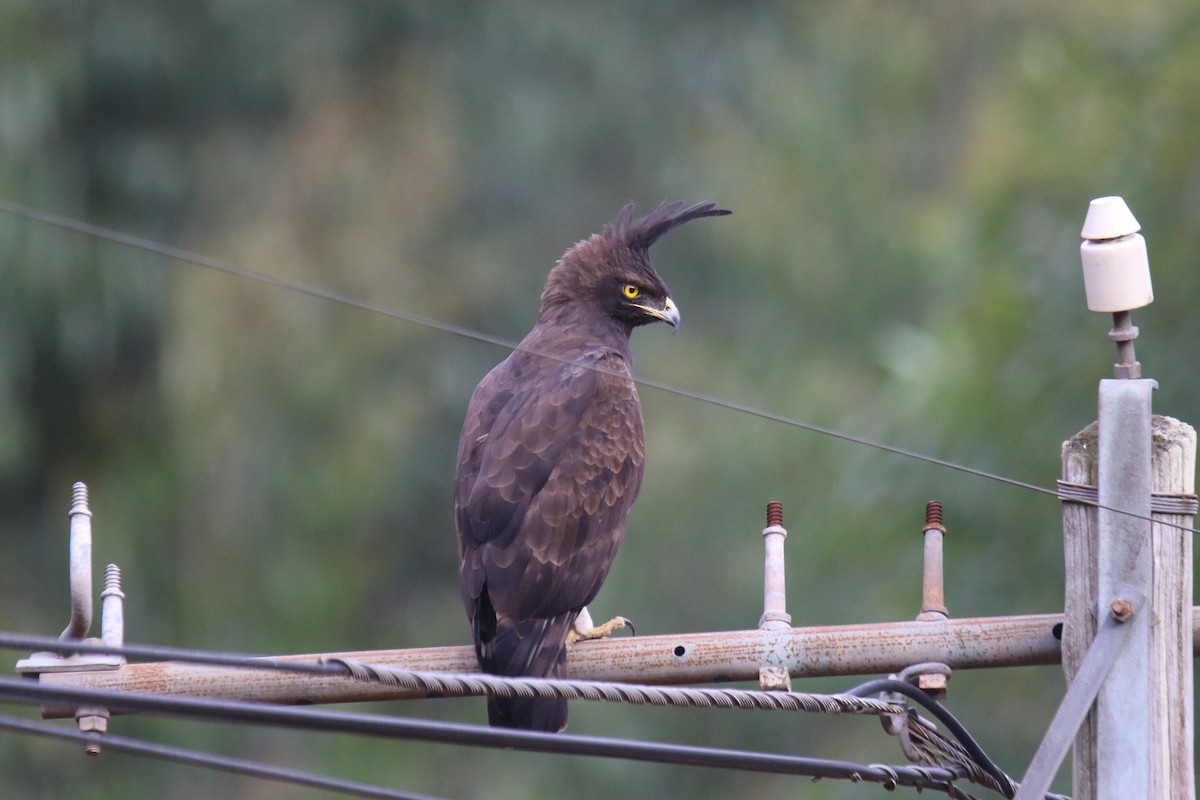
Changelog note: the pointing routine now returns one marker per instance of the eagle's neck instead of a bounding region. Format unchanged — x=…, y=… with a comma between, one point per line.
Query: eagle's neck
x=575, y=327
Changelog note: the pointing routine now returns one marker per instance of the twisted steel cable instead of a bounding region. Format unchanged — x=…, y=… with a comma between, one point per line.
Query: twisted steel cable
x=468, y=684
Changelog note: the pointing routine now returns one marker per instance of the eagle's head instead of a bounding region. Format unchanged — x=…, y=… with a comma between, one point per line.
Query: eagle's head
x=609, y=273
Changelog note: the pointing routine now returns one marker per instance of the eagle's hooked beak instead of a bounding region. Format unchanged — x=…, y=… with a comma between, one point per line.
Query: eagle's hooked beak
x=669, y=313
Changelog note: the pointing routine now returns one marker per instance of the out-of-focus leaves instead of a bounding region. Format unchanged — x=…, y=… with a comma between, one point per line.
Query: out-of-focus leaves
x=272, y=470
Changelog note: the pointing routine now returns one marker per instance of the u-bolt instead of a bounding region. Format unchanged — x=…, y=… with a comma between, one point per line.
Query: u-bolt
x=81, y=565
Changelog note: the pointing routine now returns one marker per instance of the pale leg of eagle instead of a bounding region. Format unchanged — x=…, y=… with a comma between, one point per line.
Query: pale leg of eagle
x=585, y=629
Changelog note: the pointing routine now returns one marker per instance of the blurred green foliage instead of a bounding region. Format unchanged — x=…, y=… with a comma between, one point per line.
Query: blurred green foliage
x=272, y=471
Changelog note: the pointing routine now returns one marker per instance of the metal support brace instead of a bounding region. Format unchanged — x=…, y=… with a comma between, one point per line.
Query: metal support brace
x=1111, y=634
x=1123, y=705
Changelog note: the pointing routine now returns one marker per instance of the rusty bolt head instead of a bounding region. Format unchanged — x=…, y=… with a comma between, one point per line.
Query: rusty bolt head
x=933, y=516
x=1122, y=609
x=933, y=683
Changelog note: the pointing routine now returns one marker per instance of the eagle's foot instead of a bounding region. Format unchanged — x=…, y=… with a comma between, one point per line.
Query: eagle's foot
x=584, y=629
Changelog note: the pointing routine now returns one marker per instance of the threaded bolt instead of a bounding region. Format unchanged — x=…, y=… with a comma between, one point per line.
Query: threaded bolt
x=112, y=581
x=774, y=514
x=79, y=499
x=933, y=601
x=112, y=610
x=933, y=516
x=775, y=614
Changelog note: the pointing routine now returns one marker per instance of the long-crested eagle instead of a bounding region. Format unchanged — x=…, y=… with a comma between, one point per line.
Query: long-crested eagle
x=551, y=457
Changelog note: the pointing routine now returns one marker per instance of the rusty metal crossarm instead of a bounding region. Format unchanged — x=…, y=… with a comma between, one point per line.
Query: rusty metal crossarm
x=867, y=649
x=690, y=658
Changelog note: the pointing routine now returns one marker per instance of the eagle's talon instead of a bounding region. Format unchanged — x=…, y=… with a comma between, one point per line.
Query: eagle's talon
x=587, y=632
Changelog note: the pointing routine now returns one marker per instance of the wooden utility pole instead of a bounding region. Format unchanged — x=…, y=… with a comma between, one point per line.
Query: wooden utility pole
x=1169, y=667
x=1129, y=488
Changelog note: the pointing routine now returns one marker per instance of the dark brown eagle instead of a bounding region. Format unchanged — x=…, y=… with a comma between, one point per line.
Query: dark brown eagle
x=551, y=456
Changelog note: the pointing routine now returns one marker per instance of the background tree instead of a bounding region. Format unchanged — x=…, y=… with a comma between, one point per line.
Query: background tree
x=273, y=471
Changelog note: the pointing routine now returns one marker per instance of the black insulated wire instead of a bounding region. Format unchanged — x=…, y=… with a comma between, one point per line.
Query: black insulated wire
x=943, y=715
x=23, y=641
x=195, y=758
x=951, y=723
x=302, y=718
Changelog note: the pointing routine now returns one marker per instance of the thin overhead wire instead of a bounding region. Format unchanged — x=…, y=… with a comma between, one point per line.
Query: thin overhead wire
x=186, y=256
x=940, y=778
x=303, y=718
x=196, y=758
x=189, y=257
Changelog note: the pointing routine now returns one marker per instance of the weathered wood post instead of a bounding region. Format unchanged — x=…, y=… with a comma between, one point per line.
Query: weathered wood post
x=1169, y=656
x=1128, y=484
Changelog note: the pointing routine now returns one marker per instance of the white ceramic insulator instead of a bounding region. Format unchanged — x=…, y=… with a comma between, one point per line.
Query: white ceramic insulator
x=1109, y=218
x=1116, y=269
x=1116, y=274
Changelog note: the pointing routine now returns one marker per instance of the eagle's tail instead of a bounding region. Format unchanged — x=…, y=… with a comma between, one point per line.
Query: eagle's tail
x=527, y=713
x=530, y=648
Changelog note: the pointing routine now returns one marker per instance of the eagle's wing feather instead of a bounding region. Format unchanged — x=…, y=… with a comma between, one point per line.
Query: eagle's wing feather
x=547, y=473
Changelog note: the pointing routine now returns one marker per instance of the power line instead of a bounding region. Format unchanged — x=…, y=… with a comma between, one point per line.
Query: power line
x=196, y=758
x=321, y=293
x=452, y=684
x=179, y=254
x=932, y=777
x=187, y=256
x=436, y=684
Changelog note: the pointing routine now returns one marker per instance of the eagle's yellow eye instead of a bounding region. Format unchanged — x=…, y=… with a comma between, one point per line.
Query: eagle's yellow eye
x=630, y=291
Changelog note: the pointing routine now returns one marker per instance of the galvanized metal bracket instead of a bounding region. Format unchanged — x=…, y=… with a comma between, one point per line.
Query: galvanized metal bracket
x=112, y=615
x=1112, y=632
x=38, y=663
x=1123, y=705
x=92, y=720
